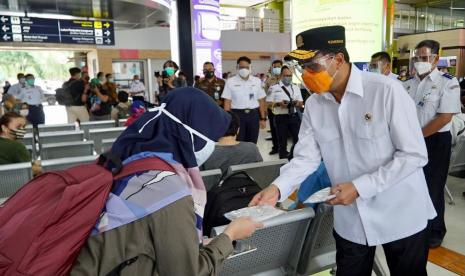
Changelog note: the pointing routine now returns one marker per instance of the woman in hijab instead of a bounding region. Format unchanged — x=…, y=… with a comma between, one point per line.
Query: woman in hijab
x=152, y=221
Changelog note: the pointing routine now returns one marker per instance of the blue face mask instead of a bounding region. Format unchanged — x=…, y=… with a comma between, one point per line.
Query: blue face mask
x=287, y=81
x=30, y=82
x=276, y=71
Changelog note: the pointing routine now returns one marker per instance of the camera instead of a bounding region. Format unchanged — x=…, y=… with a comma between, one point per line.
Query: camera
x=291, y=107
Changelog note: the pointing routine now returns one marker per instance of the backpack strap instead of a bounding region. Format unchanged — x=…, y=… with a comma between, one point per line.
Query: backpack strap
x=142, y=165
x=225, y=177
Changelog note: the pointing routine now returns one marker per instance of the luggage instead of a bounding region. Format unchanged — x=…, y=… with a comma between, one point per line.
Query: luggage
x=234, y=192
x=45, y=223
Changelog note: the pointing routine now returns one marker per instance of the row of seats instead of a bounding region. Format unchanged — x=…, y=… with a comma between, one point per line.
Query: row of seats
x=298, y=242
x=85, y=126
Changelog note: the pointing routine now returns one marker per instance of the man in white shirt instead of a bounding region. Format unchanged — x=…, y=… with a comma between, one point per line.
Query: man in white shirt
x=137, y=89
x=243, y=94
x=284, y=98
x=15, y=89
x=381, y=63
x=437, y=99
x=364, y=127
x=33, y=95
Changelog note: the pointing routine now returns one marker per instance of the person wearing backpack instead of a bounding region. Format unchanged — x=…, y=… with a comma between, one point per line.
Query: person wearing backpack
x=75, y=107
x=121, y=110
x=152, y=221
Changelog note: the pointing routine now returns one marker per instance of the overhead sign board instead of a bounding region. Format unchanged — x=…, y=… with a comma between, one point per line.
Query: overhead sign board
x=43, y=30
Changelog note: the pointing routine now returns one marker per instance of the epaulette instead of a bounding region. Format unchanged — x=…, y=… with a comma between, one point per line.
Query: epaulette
x=447, y=76
x=404, y=79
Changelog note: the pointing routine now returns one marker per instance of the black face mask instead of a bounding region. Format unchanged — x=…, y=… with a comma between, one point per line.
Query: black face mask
x=209, y=74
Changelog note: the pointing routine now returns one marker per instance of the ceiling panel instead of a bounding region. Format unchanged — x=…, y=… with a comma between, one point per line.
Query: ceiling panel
x=126, y=14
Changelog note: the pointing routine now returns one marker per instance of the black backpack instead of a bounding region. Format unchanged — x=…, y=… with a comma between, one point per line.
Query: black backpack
x=63, y=95
x=233, y=192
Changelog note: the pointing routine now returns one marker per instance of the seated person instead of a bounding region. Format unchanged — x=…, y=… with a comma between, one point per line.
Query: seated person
x=11, y=150
x=137, y=109
x=229, y=151
x=152, y=221
x=121, y=110
x=312, y=184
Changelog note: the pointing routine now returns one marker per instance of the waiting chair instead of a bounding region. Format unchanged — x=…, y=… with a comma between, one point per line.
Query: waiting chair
x=121, y=122
x=67, y=149
x=13, y=176
x=65, y=163
x=457, y=162
x=98, y=135
x=53, y=128
x=262, y=172
x=278, y=245
x=319, y=250
x=107, y=144
x=211, y=178
x=60, y=136
x=86, y=126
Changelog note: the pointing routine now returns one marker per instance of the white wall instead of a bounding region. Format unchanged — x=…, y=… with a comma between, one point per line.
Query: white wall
x=154, y=38
x=158, y=38
x=255, y=41
x=258, y=66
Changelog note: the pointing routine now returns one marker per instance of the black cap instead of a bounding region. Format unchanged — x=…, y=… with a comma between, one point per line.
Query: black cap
x=311, y=41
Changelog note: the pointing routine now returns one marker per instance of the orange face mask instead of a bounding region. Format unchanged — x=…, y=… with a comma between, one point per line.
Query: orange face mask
x=318, y=82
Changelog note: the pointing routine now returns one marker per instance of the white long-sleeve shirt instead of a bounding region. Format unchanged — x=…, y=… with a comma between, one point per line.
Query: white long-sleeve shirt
x=372, y=139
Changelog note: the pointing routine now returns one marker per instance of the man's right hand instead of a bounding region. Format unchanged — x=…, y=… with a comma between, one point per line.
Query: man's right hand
x=268, y=196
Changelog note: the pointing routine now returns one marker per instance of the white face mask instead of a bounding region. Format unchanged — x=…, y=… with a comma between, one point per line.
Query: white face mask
x=422, y=67
x=24, y=112
x=244, y=72
x=200, y=156
x=136, y=81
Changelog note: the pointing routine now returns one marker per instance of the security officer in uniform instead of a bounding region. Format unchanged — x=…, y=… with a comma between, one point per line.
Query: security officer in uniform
x=364, y=127
x=284, y=99
x=243, y=94
x=437, y=99
x=274, y=78
x=33, y=95
x=211, y=84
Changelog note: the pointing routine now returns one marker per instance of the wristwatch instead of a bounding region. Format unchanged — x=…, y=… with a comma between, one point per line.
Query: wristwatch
x=263, y=119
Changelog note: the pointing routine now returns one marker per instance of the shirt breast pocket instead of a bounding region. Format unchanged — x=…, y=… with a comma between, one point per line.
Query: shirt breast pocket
x=431, y=102
x=327, y=139
x=374, y=141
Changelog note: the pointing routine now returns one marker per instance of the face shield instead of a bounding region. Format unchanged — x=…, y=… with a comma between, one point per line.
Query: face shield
x=377, y=67
x=422, y=61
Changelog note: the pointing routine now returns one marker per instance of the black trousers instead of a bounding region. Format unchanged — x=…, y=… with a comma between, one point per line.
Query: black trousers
x=286, y=125
x=274, y=135
x=439, y=152
x=36, y=115
x=250, y=125
x=405, y=257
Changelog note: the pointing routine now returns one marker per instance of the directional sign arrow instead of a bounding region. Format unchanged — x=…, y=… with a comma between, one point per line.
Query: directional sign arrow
x=107, y=33
x=107, y=25
x=5, y=28
x=108, y=41
x=6, y=37
x=4, y=19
